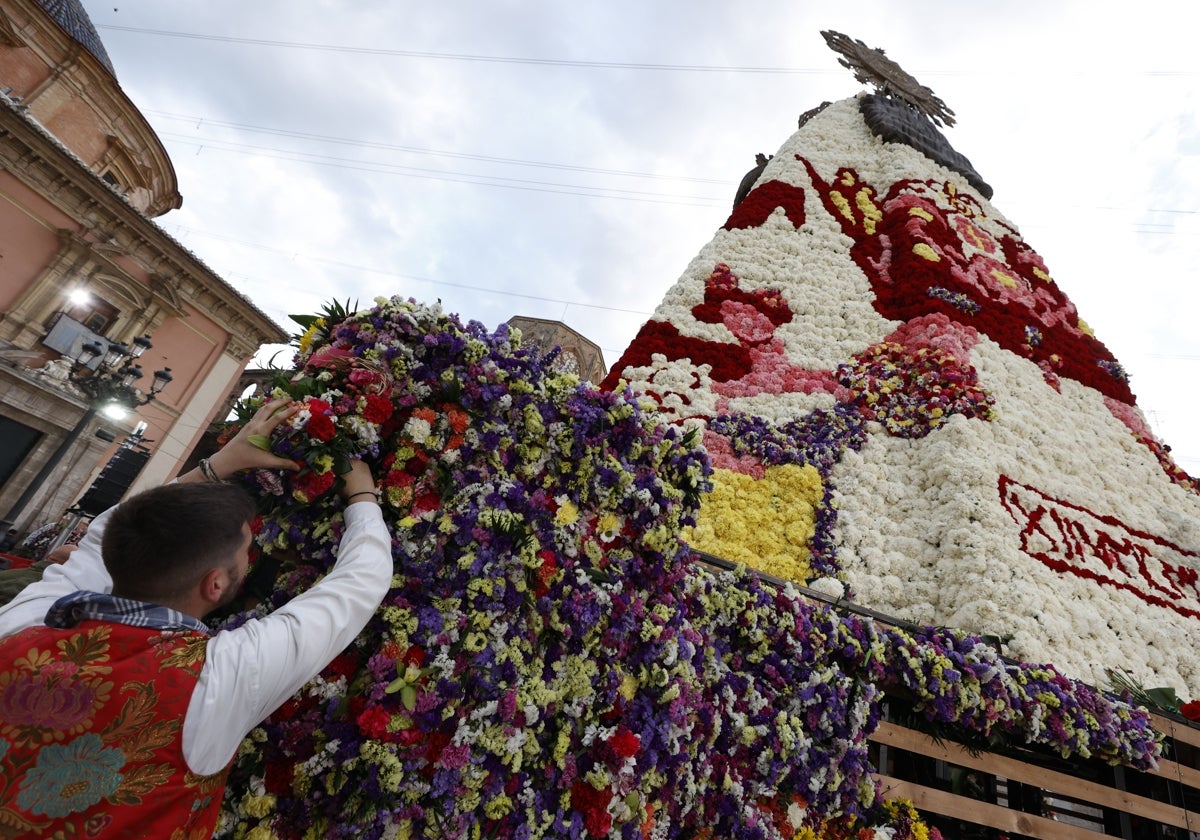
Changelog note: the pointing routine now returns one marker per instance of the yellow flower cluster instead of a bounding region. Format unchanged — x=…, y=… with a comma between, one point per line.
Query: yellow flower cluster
x=897, y=808
x=765, y=524
x=315, y=329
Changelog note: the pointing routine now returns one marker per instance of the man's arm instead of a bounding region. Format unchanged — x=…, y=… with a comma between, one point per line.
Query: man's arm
x=85, y=568
x=250, y=671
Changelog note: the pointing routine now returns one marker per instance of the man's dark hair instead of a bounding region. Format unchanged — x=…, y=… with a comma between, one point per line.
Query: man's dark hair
x=159, y=543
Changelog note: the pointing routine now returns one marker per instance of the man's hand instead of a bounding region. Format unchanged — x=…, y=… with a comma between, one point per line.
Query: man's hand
x=358, y=482
x=242, y=454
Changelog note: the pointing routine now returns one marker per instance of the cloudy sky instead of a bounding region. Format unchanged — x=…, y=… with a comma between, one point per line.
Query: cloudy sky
x=567, y=160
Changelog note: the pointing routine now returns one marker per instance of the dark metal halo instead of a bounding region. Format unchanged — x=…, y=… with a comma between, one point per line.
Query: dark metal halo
x=873, y=67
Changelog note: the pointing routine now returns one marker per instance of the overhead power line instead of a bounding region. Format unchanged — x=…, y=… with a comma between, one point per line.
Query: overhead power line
x=495, y=59
x=452, y=177
x=371, y=144
x=365, y=269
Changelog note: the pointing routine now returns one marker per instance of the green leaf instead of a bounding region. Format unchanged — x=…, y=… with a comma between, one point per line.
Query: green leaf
x=305, y=321
x=302, y=385
x=259, y=442
x=598, y=575
x=1164, y=697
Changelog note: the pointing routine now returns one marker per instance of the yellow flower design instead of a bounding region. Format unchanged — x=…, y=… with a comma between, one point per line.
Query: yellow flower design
x=188, y=653
x=766, y=524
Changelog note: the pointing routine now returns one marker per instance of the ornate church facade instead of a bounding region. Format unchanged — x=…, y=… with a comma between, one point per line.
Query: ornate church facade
x=84, y=270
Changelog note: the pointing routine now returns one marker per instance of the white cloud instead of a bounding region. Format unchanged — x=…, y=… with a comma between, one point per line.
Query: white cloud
x=1081, y=115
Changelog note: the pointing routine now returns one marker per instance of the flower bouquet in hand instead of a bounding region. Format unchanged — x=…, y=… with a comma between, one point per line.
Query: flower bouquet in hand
x=346, y=403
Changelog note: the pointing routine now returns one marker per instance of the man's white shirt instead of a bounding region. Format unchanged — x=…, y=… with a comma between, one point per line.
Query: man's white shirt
x=251, y=670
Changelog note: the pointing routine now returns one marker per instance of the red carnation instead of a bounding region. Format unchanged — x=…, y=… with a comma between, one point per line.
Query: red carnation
x=1191, y=710
x=426, y=501
x=593, y=804
x=308, y=485
x=343, y=665
x=545, y=572
x=398, y=478
x=624, y=743
x=373, y=722
x=377, y=408
x=320, y=427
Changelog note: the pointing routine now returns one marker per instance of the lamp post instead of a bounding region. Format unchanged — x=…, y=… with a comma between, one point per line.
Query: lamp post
x=109, y=388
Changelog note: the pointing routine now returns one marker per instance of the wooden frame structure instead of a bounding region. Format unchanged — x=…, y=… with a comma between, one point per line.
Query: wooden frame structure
x=1028, y=794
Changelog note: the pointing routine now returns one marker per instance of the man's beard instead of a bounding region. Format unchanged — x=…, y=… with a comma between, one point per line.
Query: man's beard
x=236, y=580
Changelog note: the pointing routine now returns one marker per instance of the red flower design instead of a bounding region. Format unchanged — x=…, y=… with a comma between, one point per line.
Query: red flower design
x=1191, y=710
x=758, y=206
x=728, y=361
x=909, y=244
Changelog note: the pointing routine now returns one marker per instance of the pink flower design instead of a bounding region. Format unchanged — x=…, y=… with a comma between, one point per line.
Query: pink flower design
x=34, y=700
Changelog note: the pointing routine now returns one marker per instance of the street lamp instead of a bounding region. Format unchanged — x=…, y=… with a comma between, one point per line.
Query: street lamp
x=109, y=389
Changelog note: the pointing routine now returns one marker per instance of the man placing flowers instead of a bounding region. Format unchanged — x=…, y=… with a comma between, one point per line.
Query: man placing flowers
x=120, y=716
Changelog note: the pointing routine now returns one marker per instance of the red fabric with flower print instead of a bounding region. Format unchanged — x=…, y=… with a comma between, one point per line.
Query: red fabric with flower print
x=91, y=721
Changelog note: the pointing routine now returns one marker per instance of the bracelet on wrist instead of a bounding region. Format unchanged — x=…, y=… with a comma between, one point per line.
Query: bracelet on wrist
x=374, y=494
x=206, y=470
